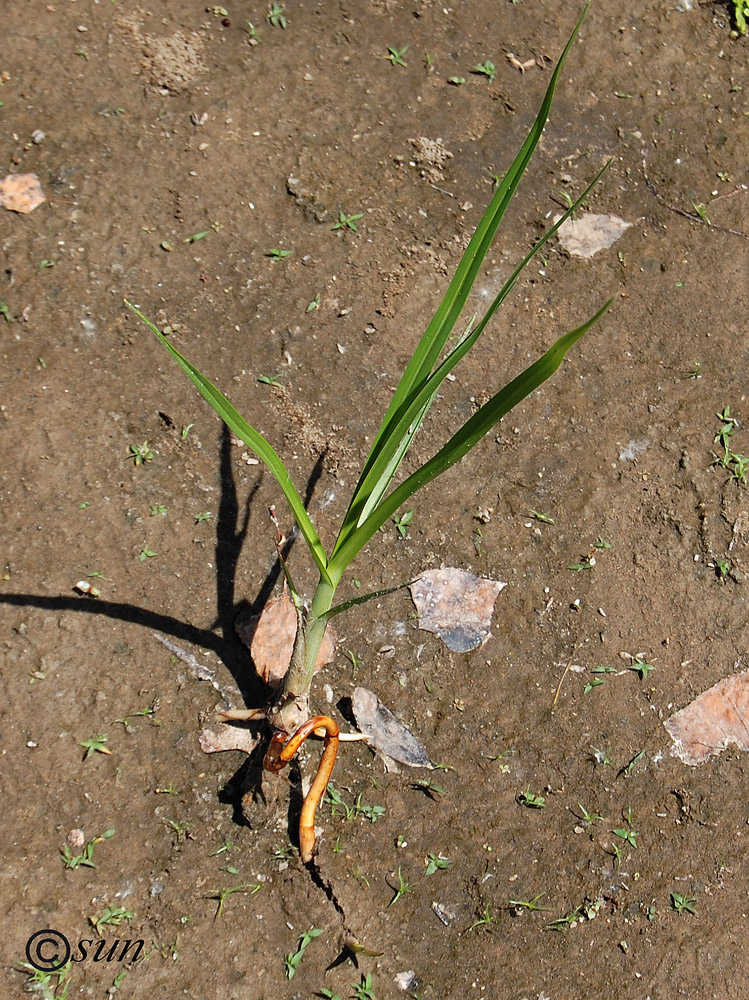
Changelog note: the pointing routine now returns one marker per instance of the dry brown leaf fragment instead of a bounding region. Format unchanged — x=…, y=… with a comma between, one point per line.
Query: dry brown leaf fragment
x=21, y=193
x=385, y=731
x=715, y=719
x=270, y=637
x=455, y=605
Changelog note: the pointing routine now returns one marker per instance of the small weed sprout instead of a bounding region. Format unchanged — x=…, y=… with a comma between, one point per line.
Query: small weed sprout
x=486, y=68
x=396, y=55
x=112, y=915
x=484, y=920
x=531, y=800
x=86, y=858
x=48, y=985
x=436, y=863
x=276, y=17
x=374, y=502
x=223, y=894
x=683, y=904
x=291, y=961
x=363, y=990
x=97, y=744
x=402, y=889
x=141, y=453
x=519, y=905
x=348, y=221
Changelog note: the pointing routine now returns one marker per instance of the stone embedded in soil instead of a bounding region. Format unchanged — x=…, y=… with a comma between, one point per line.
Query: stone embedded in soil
x=270, y=637
x=588, y=235
x=385, y=731
x=715, y=719
x=455, y=605
x=21, y=193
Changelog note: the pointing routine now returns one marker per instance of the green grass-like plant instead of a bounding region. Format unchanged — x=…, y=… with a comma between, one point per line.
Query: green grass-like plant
x=373, y=502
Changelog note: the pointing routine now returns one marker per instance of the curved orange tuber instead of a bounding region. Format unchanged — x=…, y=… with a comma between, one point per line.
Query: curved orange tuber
x=276, y=760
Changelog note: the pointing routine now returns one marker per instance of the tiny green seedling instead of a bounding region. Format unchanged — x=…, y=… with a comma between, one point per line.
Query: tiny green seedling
x=146, y=553
x=223, y=894
x=436, y=863
x=185, y=432
x=640, y=665
x=484, y=920
x=228, y=845
x=112, y=915
x=531, y=800
x=518, y=905
x=430, y=788
x=683, y=904
x=402, y=888
x=539, y=516
x=363, y=990
x=197, y=236
x=695, y=372
x=166, y=790
x=141, y=453
x=86, y=859
x=564, y=923
x=456, y=81
x=97, y=744
x=148, y=712
x=269, y=379
x=396, y=55
x=48, y=985
x=486, y=68
x=5, y=312
x=181, y=829
x=589, y=818
x=276, y=19
x=587, y=564
x=701, y=211
x=402, y=522
x=630, y=765
x=598, y=679
x=627, y=834
x=601, y=543
x=277, y=254
x=314, y=304
x=158, y=509
x=599, y=756
x=292, y=960
x=204, y=515
x=348, y=221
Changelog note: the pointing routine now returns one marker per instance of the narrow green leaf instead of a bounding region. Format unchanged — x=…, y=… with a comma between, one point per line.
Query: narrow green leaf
x=253, y=439
x=363, y=599
x=407, y=421
x=449, y=309
x=462, y=441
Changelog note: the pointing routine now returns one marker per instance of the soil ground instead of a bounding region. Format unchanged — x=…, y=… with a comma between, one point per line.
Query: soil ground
x=169, y=120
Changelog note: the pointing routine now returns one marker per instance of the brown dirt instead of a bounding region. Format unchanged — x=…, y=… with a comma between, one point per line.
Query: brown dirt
x=161, y=122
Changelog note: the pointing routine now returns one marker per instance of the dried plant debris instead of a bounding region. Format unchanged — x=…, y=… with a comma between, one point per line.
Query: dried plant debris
x=716, y=719
x=455, y=605
x=222, y=737
x=21, y=193
x=385, y=732
x=588, y=235
x=270, y=638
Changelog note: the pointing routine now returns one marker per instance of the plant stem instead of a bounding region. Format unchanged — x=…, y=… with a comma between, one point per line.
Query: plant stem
x=291, y=708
